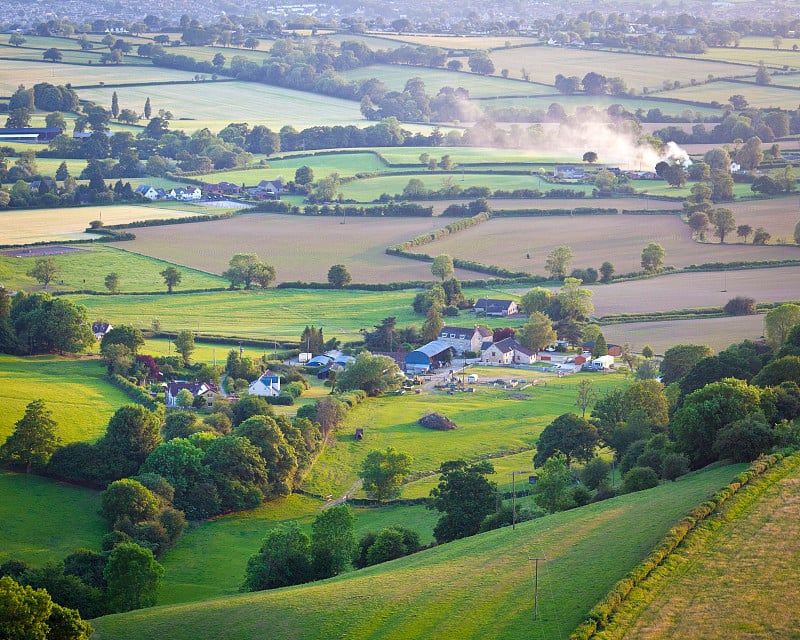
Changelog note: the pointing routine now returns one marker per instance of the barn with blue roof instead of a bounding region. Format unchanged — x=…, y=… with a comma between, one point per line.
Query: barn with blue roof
x=428, y=356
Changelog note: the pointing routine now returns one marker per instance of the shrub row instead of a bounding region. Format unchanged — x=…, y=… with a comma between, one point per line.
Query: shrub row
x=578, y=211
x=600, y=614
x=160, y=222
x=651, y=212
x=283, y=400
x=740, y=265
x=453, y=227
x=135, y=393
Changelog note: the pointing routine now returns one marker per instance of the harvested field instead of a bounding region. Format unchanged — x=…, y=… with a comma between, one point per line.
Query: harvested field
x=594, y=239
x=696, y=290
x=563, y=203
x=300, y=248
x=757, y=95
x=38, y=252
x=45, y=225
x=462, y=42
x=779, y=216
x=717, y=333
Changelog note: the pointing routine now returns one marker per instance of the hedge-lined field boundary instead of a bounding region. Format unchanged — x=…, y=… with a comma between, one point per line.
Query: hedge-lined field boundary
x=603, y=612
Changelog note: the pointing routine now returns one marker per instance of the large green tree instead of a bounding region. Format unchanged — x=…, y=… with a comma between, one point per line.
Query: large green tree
x=779, y=322
x=184, y=344
x=172, y=278
x=284, y=559
x=133, y=433
x=44, y=270
x=464, y=496
x=383, y=472
x=442, y=266
x=551, y=491
x=279, y=456
x=724, y=223
x=133, y=577
x=373, y=374
x=537, y=333
x=576, y=303
x=339, y=276
x=333, y=541
x=558, y=261
x=34, y=438
x=679, y=359
x=538, y=299
x=570, y=435
x=653, y=257
x=124, y=334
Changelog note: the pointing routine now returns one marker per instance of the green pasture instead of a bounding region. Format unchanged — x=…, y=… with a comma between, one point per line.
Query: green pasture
x=74, y=390
x=228, y=542
x=87, y=268
x=479, y=86
x=374, y=41
x=216, y=104
x=274, y=314
x=638, y=71
x=68, y=56
x=44, y=521
x=757, y=95
x=754, y=50
x=512, y=158
x=33, y=72
x=490, y=421
x=480, y=586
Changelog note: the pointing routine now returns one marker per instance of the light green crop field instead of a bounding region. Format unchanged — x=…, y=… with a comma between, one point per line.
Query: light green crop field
x=228, y=542
x=86, y=269
x=638, y=71
x=754, y=50
x=80, y=400
x=375, y=41
x=44, y=521
x=69, y=57
x=479, y=86
x=274, y=314
x=756, y=95
x=492, y=420
x=26, y=226
x=513, y=239
x=299, y=247
x=217, y=104
x=82, y=75
x=478, y=587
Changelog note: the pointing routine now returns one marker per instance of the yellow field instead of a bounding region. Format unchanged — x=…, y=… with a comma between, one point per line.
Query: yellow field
x=461, y=42
x=44, y=225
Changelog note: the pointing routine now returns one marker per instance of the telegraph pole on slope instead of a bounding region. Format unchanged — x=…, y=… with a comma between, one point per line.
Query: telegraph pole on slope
x=536, y=588
x=514, y=475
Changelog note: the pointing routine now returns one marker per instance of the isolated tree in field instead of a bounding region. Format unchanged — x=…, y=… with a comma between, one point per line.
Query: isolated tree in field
x=218, y=61
x=743, y=231
x=558, y=261
x=133, y=577
x=537, y=333
x=761, y=236
x=569, y=434
x=333, y=541
x=16, y=40
x=112, y=282
x=383, y=472
x=779, y=322
x=339, y=276
x=653, y=257
x=53, y=54
x=464, y=496
x=606, y=271
x=304, y=175
x=590, y=157
x=262, y=275
x=184, y=344
x=586, y=396
x=34, y=438
x=762, y=75
x=480, y=62
x=114, y=104
x=740, y=306
x=172, y=278
x=724, y=223
x=283, y=560
x=44, y=271
x=443, y=266
x=148, y=110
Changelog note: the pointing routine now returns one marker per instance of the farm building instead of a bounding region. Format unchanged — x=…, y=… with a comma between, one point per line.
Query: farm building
x=29, y=134
x=319, y=361
x=603, y=362
x=492, y=307
x=269, y=384
x=508, y=351
x=463, y=339
x=428, y=356
x=569, y=172
x=99, y=329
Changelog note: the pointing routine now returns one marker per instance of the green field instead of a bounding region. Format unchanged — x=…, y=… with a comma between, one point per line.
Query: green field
x=229, y=541
x=216, y=104
x=85, y=269
x=44, y=521
x=80, y=400
x=478, y=587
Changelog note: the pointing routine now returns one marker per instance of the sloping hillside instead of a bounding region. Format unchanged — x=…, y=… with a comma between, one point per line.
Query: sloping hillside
x=480, y=587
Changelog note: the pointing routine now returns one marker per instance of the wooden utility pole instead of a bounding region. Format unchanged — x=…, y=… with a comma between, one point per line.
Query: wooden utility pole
x=536, y=588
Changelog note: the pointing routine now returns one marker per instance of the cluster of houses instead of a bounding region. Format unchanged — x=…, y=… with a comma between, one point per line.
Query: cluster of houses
x=178, y=193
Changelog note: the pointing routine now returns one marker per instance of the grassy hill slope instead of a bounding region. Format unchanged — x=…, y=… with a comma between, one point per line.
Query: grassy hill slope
x=480, y=587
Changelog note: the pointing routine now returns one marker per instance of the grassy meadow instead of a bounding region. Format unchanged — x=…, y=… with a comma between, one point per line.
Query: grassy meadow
x=85, y=269
x=74, y=390
x=476, y=587
x=44, y=521
x=759, y=96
